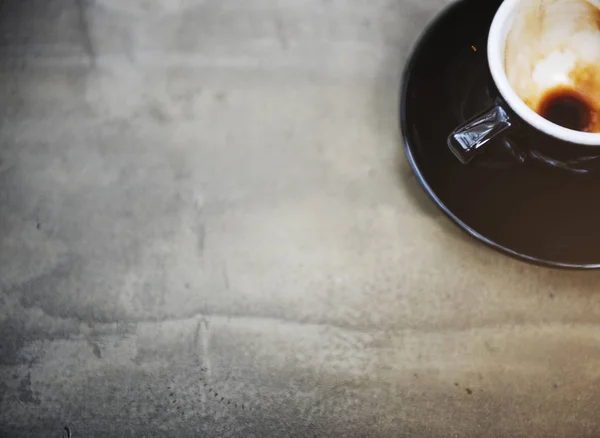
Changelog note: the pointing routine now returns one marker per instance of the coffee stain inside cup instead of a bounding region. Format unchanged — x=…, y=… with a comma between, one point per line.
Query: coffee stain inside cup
x=552, y=60
x=576, y=107
x=568, y=108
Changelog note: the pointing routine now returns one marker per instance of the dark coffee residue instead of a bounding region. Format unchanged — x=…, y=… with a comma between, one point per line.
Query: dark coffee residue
x=569, y=109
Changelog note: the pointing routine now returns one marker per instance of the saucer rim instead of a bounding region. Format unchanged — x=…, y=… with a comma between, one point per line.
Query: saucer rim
x=411, y=60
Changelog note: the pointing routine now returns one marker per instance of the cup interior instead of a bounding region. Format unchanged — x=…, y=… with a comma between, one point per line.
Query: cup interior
x=497, y=38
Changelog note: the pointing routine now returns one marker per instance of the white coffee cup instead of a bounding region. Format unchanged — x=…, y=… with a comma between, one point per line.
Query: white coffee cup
x=569, y=38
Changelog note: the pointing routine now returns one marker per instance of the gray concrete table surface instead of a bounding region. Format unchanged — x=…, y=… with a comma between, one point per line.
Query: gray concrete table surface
x=208, y=229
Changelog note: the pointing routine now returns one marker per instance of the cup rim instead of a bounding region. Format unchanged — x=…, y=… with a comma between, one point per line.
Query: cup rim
x=495, y=49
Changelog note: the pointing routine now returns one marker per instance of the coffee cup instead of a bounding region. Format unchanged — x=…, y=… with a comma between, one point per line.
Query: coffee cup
x=544, y=58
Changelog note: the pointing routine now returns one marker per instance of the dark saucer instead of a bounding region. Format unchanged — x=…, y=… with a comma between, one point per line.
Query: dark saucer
x=514, y=198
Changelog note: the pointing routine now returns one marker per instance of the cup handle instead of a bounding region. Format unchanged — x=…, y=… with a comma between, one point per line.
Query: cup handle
x=472, y=137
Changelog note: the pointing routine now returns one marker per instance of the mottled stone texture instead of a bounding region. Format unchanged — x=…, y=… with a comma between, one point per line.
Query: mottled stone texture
x=208, y=229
